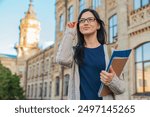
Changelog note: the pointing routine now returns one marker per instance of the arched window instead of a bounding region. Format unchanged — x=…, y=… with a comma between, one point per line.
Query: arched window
x=142, y=68
x=113, y=29
x=71, y=14
x=66, y=82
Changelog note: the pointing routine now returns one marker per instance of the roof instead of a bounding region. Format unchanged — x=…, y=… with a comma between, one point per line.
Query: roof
x=30, y=13
x=7, y=56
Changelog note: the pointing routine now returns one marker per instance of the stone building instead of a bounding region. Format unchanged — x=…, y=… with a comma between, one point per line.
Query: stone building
x=127, y=24
x=39, y=75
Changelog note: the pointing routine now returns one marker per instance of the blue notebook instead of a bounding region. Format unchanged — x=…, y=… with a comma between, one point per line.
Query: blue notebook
x=117, y=61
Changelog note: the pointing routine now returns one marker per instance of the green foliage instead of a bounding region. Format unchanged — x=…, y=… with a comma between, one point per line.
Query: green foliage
x=10, y=85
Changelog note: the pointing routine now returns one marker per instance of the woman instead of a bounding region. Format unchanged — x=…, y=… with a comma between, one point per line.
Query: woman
x=88, y=58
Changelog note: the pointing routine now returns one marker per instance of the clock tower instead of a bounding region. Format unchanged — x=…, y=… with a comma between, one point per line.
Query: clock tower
x=29, y=34
x=28, y=42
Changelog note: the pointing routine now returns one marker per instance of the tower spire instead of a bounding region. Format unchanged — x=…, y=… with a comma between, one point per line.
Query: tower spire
x=31, y=13
x=31, y=1
x=29, y=34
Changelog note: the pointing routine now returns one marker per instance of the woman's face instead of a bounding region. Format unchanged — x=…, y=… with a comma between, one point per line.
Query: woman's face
x=88, y=24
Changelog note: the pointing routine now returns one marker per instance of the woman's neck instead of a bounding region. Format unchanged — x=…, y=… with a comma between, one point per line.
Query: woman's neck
x=91, y=41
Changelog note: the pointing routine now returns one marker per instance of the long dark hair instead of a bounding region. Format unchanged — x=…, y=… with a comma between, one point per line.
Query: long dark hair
x=101, y=36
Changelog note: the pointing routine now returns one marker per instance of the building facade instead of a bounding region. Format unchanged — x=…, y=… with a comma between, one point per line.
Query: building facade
x=127, y=25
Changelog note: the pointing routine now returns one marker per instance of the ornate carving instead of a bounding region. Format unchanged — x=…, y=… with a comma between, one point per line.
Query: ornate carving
x=111, y=4
x=148, y=12
x=139, y=16
x=139, y=31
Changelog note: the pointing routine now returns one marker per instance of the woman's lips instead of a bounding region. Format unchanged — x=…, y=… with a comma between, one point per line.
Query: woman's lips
x=86, y=28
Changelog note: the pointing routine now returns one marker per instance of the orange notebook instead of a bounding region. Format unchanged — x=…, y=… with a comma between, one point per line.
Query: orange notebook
x=117, y=61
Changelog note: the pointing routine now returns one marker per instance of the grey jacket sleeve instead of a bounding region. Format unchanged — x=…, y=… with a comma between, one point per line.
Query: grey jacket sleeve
x=117, y=85
x=65, y=51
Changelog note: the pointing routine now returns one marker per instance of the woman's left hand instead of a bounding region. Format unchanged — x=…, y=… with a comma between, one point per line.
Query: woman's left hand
x=106, y=77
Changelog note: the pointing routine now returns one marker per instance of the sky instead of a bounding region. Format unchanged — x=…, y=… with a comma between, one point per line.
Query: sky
x=12, y=11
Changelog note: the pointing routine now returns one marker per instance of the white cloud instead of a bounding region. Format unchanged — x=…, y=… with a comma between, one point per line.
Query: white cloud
x=46, y=44
x=8, y=49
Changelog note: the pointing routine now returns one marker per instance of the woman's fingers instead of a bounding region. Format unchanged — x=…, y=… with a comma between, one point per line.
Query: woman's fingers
x=103, y=79
x=106, y=77
x=69, y=25
x=72, y=24
x=106, y=74
x=111, y=70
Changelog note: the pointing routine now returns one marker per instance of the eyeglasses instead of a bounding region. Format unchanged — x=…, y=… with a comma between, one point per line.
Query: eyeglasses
x=89, y=20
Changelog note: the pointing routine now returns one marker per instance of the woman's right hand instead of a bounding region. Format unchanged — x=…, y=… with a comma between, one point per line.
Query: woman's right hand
x=72, y=25
x=71, y=28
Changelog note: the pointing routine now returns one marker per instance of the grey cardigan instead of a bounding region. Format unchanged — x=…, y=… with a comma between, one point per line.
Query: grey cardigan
x=65, y=57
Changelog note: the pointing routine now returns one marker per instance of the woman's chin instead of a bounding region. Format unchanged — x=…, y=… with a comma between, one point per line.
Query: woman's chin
x=87, y=33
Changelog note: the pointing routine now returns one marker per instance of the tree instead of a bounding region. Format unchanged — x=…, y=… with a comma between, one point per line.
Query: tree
x=10, y=85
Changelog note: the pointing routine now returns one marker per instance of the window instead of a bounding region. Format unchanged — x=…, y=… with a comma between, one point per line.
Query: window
x=40, y=93
x=50, y=67
x=29, y=72
x=31, y=90
x=45, y=90
x=140, y=3
x=50, y=89
x=142, y=67
x=28, y=90
x=41, y=67
x=35, y=91
x=37, y=69
x=113, y=29
x=57, y=86
x=47, y=65
x=71, y=14
x=66, y=82
x=95, y=4
x=33, y=71
x=61, y=22
x=82, y=5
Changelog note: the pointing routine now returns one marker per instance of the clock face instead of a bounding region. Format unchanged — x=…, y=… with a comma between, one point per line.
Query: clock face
x=32, y=22
x=32, y=36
